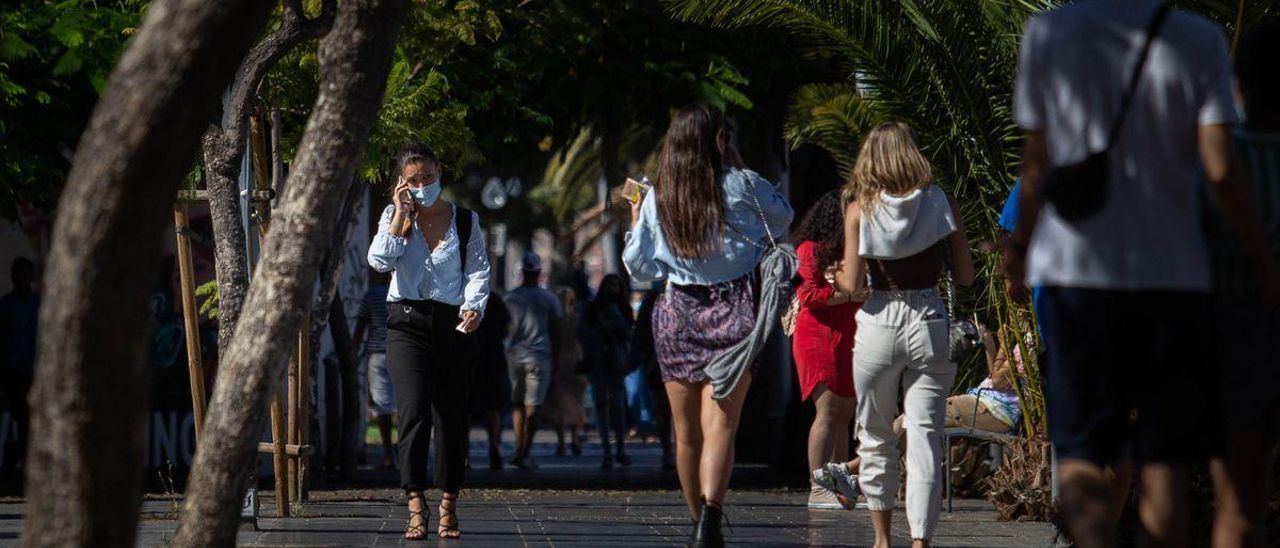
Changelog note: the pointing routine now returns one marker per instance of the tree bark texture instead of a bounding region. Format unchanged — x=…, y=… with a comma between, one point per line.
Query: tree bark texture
x=330, y=272
x=335, y=258
x=355, y=58
x=84, y=463
x=223, y=149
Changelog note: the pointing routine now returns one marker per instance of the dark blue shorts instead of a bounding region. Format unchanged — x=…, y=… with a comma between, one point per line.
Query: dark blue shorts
x=1115, y=352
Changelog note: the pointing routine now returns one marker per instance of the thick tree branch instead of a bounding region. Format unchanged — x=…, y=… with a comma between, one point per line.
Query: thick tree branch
x=89, y=400
x=224, y=149
x=355, y=58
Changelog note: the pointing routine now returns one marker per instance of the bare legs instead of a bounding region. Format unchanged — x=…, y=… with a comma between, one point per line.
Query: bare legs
x=829, y=434
x=1090, y=493
x=704, y=431
x=686, y=404
x=1240, y=490
x=522, y=419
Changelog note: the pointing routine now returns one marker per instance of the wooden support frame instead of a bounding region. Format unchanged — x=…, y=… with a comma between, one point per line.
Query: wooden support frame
x=289, y=447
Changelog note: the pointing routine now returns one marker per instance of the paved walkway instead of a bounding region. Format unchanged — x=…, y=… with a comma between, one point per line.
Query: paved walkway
x=575, y=504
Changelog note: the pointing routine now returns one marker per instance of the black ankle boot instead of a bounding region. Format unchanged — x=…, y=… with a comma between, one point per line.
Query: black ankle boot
x=706, y=533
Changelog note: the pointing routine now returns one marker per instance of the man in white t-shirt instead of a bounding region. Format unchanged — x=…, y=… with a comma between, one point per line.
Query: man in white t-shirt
x=1126, y=288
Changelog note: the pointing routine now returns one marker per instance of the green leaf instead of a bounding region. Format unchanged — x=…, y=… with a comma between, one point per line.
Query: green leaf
x=68, y=64
x=13, y=47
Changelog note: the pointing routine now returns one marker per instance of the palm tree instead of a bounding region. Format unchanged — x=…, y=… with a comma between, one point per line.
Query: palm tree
x=945, y=67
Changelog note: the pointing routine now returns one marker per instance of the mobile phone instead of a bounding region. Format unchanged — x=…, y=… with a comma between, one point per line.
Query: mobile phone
x=634, y=190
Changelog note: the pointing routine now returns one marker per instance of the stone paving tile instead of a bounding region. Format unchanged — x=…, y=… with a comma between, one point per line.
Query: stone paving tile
x=572, y=503
x=593, y=518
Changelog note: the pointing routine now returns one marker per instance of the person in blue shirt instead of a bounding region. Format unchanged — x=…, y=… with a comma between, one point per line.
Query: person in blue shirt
x=1009, y=221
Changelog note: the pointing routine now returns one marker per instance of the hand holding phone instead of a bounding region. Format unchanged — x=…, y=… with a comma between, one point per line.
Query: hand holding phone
x=634, y=190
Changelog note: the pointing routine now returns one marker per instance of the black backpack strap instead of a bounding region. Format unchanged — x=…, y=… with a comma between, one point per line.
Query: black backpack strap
x=462, y=224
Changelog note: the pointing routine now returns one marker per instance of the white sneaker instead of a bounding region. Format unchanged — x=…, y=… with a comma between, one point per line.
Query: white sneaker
x=846, y=484
x=823, y=479
x=822, y=499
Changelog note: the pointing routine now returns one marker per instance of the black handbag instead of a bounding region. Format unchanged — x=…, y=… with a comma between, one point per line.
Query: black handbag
x=1079, y=191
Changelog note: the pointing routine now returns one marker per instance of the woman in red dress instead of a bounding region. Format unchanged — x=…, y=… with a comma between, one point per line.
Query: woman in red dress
x=823, y=346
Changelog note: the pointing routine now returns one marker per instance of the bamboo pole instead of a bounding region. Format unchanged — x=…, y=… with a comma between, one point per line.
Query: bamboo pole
x=289, y=450
x=291, y=428
x=190, y=312
x=280, y=459
x=304, y=399
x=261, y=171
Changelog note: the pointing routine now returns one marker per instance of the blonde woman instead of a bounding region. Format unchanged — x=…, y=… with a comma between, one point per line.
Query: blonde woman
x=898, y=227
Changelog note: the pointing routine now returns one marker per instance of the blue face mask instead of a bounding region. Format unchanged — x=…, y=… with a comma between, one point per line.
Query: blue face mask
x=426, y=195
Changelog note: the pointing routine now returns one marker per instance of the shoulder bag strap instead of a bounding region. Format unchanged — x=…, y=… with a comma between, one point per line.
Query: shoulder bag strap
x=751, y=185
x=462, y=224
x=1153, y=28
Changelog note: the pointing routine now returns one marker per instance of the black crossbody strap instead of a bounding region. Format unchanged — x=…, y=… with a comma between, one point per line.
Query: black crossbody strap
x=1152, y=30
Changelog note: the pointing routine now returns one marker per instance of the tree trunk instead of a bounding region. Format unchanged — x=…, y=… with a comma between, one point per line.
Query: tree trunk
x=84, y=465
x=330, y=271
x=343, y=347
x=335, y=257
x=354, y=60
x=224, y=153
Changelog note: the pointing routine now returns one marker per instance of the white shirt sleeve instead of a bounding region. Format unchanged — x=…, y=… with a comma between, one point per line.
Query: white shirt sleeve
x=385, y=251
x=639, y=248
x=1028, y=94
x=1218, y=106
x=475, y=292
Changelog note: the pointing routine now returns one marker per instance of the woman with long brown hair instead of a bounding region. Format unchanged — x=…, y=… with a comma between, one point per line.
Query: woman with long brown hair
x=898, y=232
x=703, y=230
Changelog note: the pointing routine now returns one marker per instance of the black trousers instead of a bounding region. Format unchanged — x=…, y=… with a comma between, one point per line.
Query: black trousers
x=430, y=364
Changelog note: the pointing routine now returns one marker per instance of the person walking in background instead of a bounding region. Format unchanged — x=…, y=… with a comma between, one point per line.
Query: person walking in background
x=568, y=386
x=644, y=357
x=532, y=349
x=823, y=349
x=19, y=309
x=1248, y=336
x=899, y=228
x=491, y=387
x=606, y=337
x=1140, y=95
x=702, y=231
x=371, y=329
x=439, y=289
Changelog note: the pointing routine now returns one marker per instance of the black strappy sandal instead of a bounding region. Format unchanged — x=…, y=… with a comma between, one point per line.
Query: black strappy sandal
x=417, y=532
x=448, y=528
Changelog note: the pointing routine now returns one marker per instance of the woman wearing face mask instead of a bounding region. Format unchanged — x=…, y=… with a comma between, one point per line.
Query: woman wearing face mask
x=439, y=287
